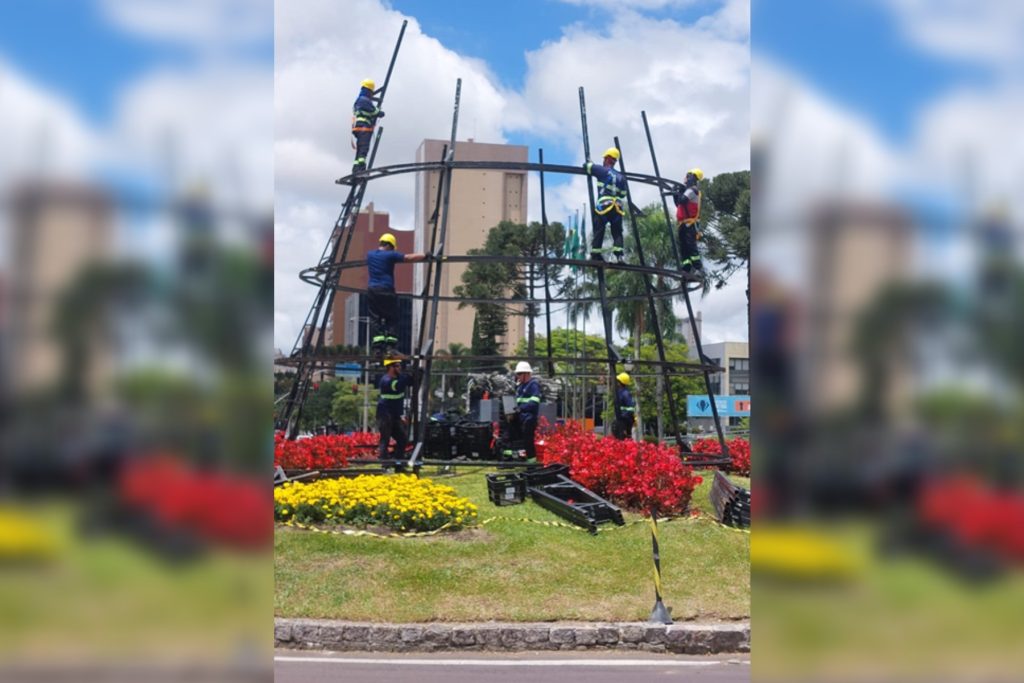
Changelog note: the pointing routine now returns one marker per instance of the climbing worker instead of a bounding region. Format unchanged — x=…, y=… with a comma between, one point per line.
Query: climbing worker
x=390, y=408
x=381, y=299
x=611, y=198
x=687, y=202
x=625, y=408
x=528, y=397
x=364, y=117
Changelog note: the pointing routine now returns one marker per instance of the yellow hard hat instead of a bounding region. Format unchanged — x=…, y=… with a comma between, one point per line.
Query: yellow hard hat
x=612, y=152
x=697, y=172
x=391, y=361
x=368, y=83
x=624, y=378
x=388, y=238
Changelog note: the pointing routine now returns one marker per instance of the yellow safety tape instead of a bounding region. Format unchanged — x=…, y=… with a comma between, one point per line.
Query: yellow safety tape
x=489, y=520
x=361, y=532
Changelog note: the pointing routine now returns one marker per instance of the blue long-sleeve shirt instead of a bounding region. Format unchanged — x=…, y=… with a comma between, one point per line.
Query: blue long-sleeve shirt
x=364, y=111
x=528, y=396
x=624, y=404
x=611, y=188
x=392, y=394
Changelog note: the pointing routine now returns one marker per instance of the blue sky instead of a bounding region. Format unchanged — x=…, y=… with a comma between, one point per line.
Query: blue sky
x=72, y=48
x=468, y=30
x=467, y=27
x=853, y=51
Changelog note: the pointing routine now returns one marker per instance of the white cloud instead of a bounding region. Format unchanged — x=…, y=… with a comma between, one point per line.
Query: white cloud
x=203, y=23
x=984, y=32
x=969, y=141
x=697, y=100
x=42, y=133
x=211, y=128
x=616, y=5
x=815, y=147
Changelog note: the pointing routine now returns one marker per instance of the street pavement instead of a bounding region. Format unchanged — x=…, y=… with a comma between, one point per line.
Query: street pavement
x=292, y=666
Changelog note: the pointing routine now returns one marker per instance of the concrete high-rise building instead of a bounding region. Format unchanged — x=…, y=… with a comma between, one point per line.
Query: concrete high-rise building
x=734, y=359
x=480, y=199
x=344, y=326
x=56, y=231
x=686, y=330
x=856, y=250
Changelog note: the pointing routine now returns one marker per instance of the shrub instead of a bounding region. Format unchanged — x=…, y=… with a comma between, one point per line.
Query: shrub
x=323, y=452
x=638, y=476
x=401, y=502
x=739, y=452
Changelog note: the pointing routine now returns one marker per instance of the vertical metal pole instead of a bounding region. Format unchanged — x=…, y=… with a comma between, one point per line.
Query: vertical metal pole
x=547, y=282
x=652, y=307
x=366, y=384
x=686, y=297
x=613, y=355
x=426, y=352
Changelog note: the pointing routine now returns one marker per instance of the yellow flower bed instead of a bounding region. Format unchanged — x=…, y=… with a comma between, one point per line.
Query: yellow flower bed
x=402, y=502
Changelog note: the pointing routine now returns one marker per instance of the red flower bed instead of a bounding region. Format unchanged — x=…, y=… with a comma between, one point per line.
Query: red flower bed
x=323, y=452
x=218, y=507
x=739, y=452
x=638, y=476
x=976, y=515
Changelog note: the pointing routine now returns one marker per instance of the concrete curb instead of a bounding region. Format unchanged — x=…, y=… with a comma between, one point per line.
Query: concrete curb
x=691, y=638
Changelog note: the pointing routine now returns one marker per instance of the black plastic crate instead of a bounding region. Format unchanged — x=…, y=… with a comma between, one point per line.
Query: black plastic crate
x=474, y=440
x=439, y=440
x=506, y=489
x=549, y=474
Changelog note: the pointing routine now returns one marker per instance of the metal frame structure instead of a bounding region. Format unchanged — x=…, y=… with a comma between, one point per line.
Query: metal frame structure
x=310, y=354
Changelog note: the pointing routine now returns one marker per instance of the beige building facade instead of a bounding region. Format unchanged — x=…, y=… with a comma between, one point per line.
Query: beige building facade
x=56, y=231
x=480, y=199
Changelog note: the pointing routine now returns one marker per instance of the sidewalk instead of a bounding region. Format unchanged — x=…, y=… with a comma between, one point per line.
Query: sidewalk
x=692, y=638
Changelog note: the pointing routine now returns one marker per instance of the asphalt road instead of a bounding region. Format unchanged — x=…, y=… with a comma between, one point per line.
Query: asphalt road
x=478, y=667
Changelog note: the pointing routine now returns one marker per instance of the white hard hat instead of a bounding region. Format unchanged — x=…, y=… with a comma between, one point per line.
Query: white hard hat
x=523, y=366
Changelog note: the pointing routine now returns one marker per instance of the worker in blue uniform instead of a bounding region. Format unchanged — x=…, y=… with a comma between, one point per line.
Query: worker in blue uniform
x=625, y=408
x=381, y=298
x=364, y=117
x=391, y=407
x=528, y=398
x=610, y=206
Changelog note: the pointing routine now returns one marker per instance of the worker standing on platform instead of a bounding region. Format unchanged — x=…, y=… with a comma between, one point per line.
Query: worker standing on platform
x=528, y=397
x=390, y=408
x=381, y=299
x=687, y=202
x=611, y=199
x=625, y=408
x=364, y=117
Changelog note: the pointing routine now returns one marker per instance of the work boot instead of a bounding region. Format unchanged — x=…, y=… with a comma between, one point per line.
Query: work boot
x=619, y=259
x=358, y=167
x=595, y=256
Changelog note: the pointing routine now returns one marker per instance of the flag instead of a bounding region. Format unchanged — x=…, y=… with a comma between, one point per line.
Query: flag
x=582, y=249
x=574, y=249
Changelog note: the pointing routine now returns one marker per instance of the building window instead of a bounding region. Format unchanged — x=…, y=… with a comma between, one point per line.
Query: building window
x=740, y=388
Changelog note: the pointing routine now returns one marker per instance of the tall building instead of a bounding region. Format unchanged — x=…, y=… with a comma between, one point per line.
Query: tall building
x=344, y=326
x=856, y=250
x=479, y=200
x=687, y=333
x=734, y=359
x=56, y=230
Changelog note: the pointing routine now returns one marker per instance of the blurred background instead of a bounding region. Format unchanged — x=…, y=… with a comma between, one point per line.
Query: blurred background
x=136, y=232
x=888, y=295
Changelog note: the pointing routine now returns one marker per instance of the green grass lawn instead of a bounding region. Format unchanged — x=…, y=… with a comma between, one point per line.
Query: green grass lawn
x=904, y=618
x=515, y=571
x=108, y=598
